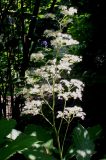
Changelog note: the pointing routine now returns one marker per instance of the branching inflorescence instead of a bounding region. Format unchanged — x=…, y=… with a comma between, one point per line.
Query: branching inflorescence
x=52, y=81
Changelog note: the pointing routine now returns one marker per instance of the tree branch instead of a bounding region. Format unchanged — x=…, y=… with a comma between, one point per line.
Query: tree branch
x=27, y=42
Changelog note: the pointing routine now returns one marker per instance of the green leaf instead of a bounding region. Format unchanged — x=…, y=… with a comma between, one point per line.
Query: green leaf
x=36, y=153
x=5, y=128
x=70, y=153
x=95, y=132
x=39, y=132
x=41, y=16
x=48, y=144
x=21, y=143
x=41, y=135
x=83, y=146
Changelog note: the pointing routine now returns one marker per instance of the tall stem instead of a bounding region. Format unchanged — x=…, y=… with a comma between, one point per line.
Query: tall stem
x=53, y=101
x=54, y=123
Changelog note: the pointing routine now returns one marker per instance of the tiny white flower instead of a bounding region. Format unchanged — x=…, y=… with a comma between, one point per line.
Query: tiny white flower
x=60, y=114
x=64, y=66
x=46, y=88
x=66, y=82
x=72, y=11
x=58, y=88
x=81, y=115
x=65, y=95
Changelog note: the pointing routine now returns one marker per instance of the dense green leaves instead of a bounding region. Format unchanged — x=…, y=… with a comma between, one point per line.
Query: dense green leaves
x=35, y=142
x=44, y=147
x=37, y=153
x=5, y=128
x=40, y=134
x=22, y=142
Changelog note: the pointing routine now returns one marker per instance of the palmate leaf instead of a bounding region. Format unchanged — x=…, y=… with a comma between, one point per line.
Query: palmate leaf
x=38, y=153
x=83, y=146
x=95, y=132
x=35, y=143
x=43, y=135
x=21, y=143
x=39, y=132
x=5, y=128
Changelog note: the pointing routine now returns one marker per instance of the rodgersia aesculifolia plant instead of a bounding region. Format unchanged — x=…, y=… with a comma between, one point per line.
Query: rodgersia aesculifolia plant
x=52, y=81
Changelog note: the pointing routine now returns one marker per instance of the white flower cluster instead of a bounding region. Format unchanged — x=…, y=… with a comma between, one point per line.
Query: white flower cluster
x=64, y=95
x=42, y=72
x=43, y=88
x=32, y=107
x=71, y=58
x=35, y=89
x=78, y=85
x=68, y=11
x=67, y=61
x=51, y=70
x=73, y=88
x=37, y=56
x=46, y=88
x=30, y=80
x=64, y=65
x=71, y=112
x=62, y=39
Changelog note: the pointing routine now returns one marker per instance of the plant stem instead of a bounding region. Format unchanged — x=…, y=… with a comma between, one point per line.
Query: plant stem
x=54, y=123
x=42, y=95
x=53, y=106
x=65, y=137
x=70, y=120
x=62, y=117
x=58, y=143
x=46, y=119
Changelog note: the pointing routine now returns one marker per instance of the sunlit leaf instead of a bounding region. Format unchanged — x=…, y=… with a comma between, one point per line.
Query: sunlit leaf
x=22, y=142
x=13, y=134
x=83, y=146
x=5, y=128
x=39, y=132
x=36, y=154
